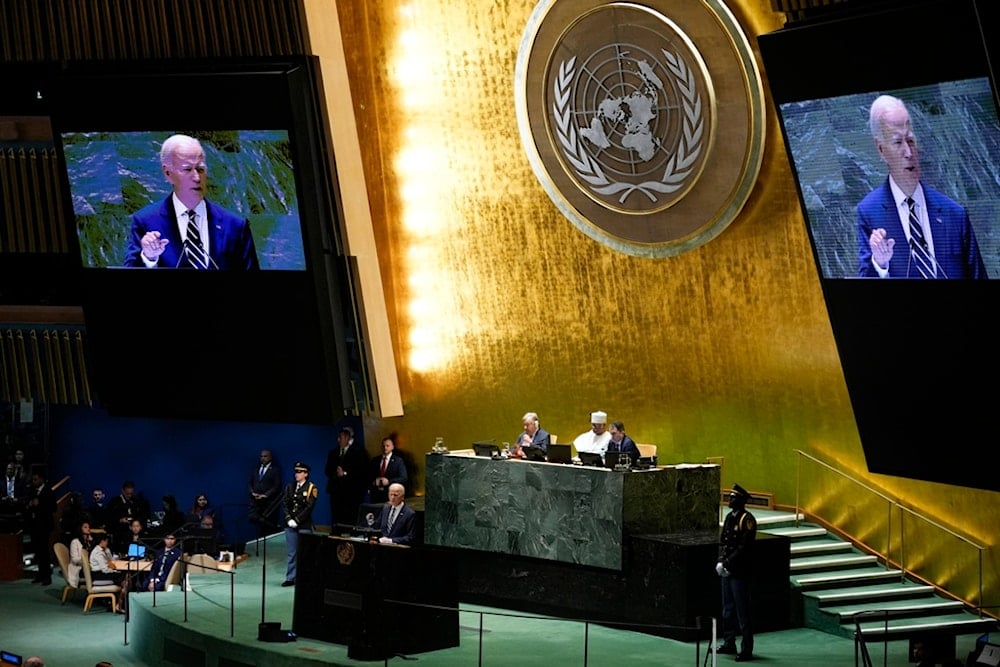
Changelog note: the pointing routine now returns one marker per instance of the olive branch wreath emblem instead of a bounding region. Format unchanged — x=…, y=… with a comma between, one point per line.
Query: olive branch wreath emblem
x=679, y=165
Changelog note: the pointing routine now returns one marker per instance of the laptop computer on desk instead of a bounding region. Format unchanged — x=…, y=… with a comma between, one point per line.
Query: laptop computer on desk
x=560, y=454
x=614, y=459
x=487, y=449
x=136, y=551
x=591, y=459
x=533, y=453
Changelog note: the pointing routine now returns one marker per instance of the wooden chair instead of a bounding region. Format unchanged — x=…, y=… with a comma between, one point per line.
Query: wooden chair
x=62, y=557
x=98, y=589
x=553, y=438
x=646, y=450
x=202, y=564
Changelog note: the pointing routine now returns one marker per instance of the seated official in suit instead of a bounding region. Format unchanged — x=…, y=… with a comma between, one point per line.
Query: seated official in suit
x=397, y=523
x=532, y=436
x=185, y=230
x=622, y=443
x=907, y=229
x=156, y=579
x=386, y=469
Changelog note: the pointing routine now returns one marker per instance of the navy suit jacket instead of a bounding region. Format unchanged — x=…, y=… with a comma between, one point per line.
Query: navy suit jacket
x=955, y=247
x=542, y=439
x=230, y=243
x=404, y=528
x=395, y=472
x=627, y=445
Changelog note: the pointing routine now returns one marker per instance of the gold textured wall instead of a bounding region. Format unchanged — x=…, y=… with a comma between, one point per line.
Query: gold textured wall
x=498, y=305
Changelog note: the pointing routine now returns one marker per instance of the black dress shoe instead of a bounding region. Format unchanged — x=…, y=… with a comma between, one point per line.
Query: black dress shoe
x=728, y=649
x=290, y=582
x=744, y=657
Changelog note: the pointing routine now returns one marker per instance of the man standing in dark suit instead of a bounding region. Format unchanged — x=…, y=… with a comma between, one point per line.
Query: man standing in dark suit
x=185, y=230
x=299, y=499
x=397, y=522
x=41, y=522
x=934, y=235
x=265, y=487
x=347, y=478
x=387, y=468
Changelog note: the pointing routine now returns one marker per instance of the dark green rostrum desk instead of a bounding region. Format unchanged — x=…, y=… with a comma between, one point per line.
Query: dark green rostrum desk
x=560, y=512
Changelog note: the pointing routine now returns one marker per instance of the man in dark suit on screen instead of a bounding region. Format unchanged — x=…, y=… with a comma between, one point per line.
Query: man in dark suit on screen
x=907, y=229
x=185, y=230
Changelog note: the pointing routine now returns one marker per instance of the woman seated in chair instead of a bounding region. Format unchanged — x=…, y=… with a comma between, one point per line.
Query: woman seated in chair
x=102, y=568
x=82, y=541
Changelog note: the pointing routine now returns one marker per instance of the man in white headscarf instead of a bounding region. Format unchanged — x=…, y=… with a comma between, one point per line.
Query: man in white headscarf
x=597, y=438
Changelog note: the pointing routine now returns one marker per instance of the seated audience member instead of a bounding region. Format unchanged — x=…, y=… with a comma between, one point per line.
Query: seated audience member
x=203, y=539
x=200, y=508
x=159, y=570
x=386, y=469
x=102, y=568
x=84, y=541
x=136, y=535
x=14, y=490
x=97, y=508
x=620, y=442
x=34, y=661
x=173, y=518
x=124, y=507
x=397, y=522
x=73, y=514
x=22, y=468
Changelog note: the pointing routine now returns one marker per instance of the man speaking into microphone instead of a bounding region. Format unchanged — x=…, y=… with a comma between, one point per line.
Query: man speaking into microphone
x=907, y=229
x=186, y=230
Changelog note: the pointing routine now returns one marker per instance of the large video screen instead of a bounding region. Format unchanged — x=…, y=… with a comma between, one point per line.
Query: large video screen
x=120, y=189
x=204, y=209
x=843, y=175
x=903, y=217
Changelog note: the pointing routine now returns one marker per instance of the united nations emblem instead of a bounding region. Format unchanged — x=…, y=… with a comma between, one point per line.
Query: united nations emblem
x=345, y=553
x=645, y=129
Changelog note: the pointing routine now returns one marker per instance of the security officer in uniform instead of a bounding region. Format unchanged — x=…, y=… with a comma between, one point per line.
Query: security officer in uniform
x=298, y=500
x=739, y=532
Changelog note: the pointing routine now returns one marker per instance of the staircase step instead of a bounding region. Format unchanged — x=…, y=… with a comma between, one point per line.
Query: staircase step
x=895, y=591
x=834, y=561
x=843, y=579
x=807, y=547
x=897, y=608
x=902, y=628
x=797, y=533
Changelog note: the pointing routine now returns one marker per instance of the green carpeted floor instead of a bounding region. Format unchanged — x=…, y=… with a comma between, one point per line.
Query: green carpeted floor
x=196, y=632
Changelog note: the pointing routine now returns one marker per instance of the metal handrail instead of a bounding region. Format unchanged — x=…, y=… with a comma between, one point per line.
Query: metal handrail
x=893, y=504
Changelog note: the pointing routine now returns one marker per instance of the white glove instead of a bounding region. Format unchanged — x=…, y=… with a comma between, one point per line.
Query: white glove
x=293, y=524
x=721, y=570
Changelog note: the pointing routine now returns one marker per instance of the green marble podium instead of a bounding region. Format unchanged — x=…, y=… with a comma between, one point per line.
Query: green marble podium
x=561, y=512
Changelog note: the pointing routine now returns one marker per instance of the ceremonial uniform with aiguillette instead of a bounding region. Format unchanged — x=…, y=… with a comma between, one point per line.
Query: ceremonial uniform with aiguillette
x=299, y=499
x=734, y=567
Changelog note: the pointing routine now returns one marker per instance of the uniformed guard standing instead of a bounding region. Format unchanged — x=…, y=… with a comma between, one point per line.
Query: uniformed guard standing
x=298, y=500
x=735, y=565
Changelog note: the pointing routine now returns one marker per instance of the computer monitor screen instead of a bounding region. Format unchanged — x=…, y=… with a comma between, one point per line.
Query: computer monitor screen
x=487, y=449
x=120, y=191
